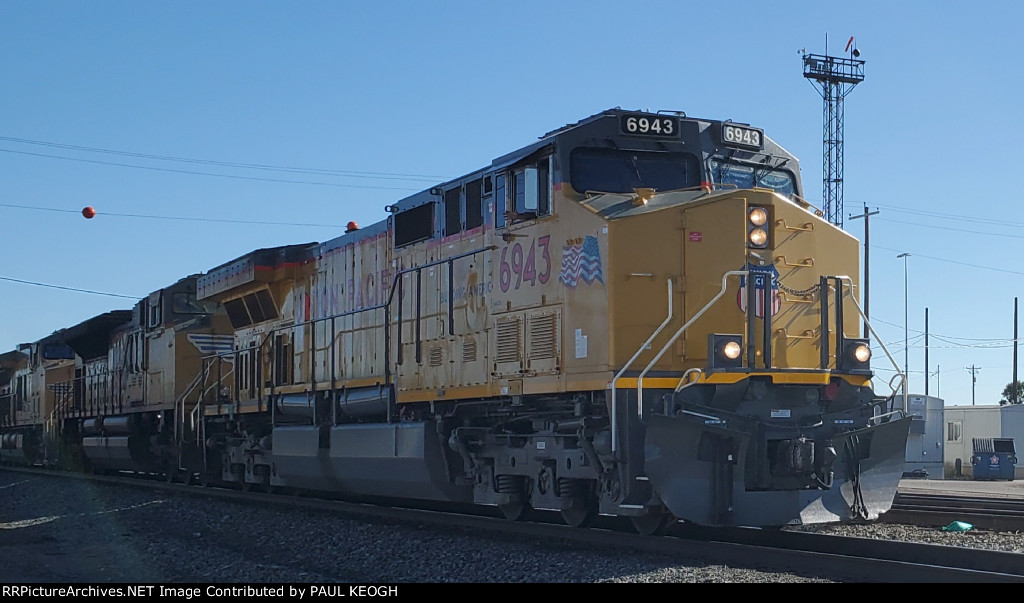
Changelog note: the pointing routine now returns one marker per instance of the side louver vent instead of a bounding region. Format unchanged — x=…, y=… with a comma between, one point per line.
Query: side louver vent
x=508, y=340
x=435, y=356
x=543, y=340
x=468, y=350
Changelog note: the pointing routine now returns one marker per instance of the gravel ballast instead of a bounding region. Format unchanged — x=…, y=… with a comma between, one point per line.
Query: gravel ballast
x=68, y=530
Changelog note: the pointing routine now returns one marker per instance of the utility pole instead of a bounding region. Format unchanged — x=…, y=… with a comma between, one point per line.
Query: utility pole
x=974, y=379
x=1013, y=388
x=926, y=379
x=867, y=264
x=906, y=329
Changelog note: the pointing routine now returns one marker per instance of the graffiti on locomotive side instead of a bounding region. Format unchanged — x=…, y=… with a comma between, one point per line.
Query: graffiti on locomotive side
x=470, y=291
x=520, y=265
x=366, y=292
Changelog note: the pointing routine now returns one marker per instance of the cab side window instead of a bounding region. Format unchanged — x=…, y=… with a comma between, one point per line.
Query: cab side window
x=530, y=196
x=453, y=211
x=500, y=201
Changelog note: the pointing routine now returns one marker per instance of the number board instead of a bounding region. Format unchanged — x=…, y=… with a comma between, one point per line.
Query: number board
x=639, y=124
x=742, y=136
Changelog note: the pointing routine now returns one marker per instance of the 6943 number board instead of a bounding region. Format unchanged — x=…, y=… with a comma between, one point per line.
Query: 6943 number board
x=640, y=124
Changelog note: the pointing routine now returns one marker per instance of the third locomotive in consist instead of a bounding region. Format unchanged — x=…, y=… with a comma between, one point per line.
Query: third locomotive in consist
x=636, y=315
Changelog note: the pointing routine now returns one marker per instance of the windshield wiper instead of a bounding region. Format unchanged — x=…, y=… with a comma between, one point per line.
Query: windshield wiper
x=761, y=173
x=636, y=169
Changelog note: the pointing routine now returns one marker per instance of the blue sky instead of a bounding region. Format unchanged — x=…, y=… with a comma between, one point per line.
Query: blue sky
x=174, y=119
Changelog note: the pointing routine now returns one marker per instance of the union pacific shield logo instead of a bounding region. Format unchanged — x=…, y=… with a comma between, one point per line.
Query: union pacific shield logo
x=762, y=275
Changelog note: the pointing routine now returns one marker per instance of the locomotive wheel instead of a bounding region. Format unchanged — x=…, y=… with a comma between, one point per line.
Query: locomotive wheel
x=652, y=524
x=580, y=513
x=515, y=511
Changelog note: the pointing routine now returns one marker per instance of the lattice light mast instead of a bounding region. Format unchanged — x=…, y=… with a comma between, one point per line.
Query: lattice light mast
x=834, y=78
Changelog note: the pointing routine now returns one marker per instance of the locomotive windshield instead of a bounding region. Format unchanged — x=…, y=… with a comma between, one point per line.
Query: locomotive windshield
x=748, y=176
x=620, y=171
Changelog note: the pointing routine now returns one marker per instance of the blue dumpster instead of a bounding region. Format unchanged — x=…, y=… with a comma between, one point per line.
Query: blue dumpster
x=993, y=458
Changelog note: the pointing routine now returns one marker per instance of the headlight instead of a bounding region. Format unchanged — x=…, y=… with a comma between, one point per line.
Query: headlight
x=758, y=237
x=731, y=350
x=724, y=351
x=856, y=355
x=758, y=216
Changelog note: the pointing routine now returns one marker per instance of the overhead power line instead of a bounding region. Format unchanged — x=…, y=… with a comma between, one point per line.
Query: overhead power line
x=958, y=218
x=222, y=220
x=194, y=173
x=954, y=229
x=234, y=164
x=921, y=333
x=77, y=290
x=930, y=257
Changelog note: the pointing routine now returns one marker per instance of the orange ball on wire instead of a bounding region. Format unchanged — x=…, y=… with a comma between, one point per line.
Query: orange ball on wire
x=88, y=212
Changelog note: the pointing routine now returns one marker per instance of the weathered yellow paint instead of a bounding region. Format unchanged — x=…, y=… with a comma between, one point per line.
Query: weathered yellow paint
x=485, y=329
x=646, y=251
x=804, y=247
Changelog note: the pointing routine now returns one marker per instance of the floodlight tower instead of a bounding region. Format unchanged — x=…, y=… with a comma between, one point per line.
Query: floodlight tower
x=834, y=78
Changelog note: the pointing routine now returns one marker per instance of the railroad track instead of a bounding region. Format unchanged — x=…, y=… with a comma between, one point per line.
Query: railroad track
x=837, y=558
x=916, y=508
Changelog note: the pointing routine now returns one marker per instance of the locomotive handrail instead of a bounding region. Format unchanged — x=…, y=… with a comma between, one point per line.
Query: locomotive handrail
x=804, y=203
x=804, y=263
x=97, y=391
x=805, y=334
x=867, y=323
x=179, y=427
x=181, y=399
x=395, y=287
x=643, y=346
x=60, y=403
x=877, y=419
x=640, y=379
x=588, y=194
x=892, y=387
x=701, y=415
x=806, y=226
x=682, y=380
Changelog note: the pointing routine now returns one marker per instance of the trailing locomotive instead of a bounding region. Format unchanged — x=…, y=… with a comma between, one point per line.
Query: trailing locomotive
x=636, y=315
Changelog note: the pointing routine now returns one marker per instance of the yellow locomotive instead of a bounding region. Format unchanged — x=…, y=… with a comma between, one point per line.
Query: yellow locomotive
x=490, y=340
x=636, y=315
x=112, y=392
